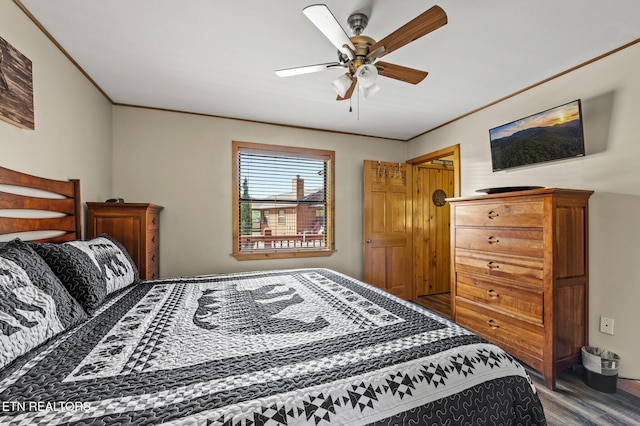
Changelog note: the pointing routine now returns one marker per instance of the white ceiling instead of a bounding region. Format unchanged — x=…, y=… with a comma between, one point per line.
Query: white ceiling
x=219, y=57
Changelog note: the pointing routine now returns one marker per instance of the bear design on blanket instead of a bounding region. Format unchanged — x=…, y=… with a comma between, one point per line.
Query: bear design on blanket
x=252, y=312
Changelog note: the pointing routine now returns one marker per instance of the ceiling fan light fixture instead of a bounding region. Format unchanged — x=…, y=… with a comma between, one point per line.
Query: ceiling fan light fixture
x=342, y=84
x=367, y=75
x=369, y=91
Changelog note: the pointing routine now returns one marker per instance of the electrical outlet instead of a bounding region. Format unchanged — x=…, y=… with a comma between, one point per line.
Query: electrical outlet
x=606, y=325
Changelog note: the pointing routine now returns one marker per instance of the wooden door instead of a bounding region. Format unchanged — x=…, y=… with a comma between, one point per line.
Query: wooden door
x=432, y=183
x=388, y=237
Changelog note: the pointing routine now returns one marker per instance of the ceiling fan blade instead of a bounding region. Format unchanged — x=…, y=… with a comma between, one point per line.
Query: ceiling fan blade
x=323, y=19
x=398, y=72
x=288, y=72
x=347, y=95
x=423, y=24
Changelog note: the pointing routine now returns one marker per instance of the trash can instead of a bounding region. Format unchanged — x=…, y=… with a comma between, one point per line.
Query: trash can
x=601, y=369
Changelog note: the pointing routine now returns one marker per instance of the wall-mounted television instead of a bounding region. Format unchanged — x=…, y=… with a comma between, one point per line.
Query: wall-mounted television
x=549, y=135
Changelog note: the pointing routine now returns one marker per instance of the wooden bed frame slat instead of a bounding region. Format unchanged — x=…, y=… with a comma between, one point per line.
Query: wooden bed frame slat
x=70, y=206
x=17, y=201
x=10, y=225
x=12, y=177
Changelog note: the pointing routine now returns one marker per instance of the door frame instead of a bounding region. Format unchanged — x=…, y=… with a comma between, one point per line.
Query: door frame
x=452, y=152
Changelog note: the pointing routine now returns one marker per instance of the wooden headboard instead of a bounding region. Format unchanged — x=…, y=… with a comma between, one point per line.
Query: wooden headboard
x=67, y=207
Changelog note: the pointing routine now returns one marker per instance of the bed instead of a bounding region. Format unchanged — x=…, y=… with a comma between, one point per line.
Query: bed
x=280, y=347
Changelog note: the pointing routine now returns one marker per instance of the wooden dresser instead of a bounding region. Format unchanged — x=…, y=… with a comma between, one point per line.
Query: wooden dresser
x=136, y=226
x=519, y=266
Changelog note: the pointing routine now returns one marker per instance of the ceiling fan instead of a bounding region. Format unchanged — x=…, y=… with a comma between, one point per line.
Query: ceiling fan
x=359, y=54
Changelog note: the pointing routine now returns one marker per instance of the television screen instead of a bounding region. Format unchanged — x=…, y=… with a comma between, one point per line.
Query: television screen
x=549, y=135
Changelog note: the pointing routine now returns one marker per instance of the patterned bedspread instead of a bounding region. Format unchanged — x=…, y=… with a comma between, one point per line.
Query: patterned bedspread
x=307, y=346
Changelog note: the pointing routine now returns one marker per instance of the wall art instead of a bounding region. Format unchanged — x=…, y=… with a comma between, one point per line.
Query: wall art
x=16, y=87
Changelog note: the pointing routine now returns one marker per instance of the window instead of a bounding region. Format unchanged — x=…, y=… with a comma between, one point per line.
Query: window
x=291, y=190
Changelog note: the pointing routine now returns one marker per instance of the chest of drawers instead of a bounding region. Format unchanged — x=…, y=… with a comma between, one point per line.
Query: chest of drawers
x=136, y=226
x=520, y=273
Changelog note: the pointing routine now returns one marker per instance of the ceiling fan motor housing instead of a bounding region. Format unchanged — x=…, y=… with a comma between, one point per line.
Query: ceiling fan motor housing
x=362, y=45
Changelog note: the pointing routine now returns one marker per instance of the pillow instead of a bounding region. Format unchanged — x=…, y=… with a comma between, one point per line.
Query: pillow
x=34, y=305
x=77, y=271
x=92, y=269
x=112, y=259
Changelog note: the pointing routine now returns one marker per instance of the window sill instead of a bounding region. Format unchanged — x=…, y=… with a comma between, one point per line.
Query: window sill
x=282, y=254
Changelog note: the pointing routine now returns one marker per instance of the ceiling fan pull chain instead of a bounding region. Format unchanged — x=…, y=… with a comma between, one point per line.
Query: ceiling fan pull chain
x=358, y=102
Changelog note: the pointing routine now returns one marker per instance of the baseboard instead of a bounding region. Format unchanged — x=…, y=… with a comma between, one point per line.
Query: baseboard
x=629, y=386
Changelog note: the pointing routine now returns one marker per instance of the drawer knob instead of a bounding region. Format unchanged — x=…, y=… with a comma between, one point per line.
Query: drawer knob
x=492, y=294
x=153, y=239
x=493, y=265
x=492, y=214
x=494, y=325
x=493, y=240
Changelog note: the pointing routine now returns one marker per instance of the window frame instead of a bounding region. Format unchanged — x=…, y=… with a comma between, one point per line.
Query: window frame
x=280, y=253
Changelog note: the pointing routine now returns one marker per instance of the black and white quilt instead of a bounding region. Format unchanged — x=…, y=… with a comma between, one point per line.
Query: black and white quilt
x=307, y=346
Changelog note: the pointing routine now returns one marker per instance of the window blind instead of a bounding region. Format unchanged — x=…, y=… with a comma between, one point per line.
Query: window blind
x=282, y=201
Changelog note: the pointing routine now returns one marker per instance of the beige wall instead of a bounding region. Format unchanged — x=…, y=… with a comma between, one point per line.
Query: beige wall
x=72, y=136
x=610, y=93
x=183, y=162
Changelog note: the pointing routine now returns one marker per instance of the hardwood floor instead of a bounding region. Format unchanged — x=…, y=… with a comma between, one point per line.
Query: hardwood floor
x=438, y=303
x=573, y=402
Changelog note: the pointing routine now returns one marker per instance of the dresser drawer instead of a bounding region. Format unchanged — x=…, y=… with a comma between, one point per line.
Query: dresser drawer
x=153, y=274
x=153, y=240
x=501, y=329
x=153, y=221
x=511, y=298
x=519, y=268
x=501, y=240
x=517, y=214
x=153, y=264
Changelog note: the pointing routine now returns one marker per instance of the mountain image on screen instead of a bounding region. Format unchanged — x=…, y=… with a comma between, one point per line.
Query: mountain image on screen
x=537, y=145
